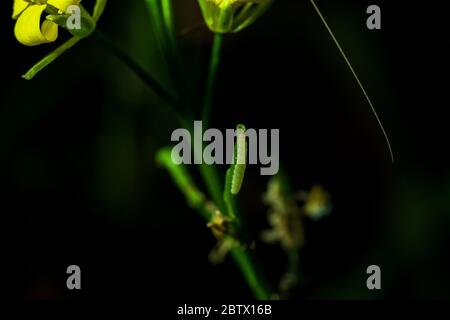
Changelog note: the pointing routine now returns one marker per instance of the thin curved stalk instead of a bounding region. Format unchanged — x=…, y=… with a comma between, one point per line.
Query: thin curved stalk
x=147, y=78
x=355, y=75
x=52, y=56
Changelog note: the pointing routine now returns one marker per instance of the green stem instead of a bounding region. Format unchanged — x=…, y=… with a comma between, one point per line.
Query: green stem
x=355, y=75
x=243, y=258
x=212, y=74
x=147, y=78
x=211, y=178
x=209, y=173
x=98, y=9
x=253, y=276
x=180, y=175
x=50, y=58
x=192, y=29
x=166, y=8
x=185, y=183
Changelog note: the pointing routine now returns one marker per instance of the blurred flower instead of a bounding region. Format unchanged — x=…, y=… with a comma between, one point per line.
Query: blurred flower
x=31, y=32
x=223, y=229
x=229, y=16
x=284, y=217
x=285, y=214
x=317, y=202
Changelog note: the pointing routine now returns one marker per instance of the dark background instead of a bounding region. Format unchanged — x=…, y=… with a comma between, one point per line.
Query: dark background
x=80, y=184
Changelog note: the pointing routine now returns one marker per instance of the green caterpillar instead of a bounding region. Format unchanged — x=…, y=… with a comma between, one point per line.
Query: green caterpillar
x=240, y=160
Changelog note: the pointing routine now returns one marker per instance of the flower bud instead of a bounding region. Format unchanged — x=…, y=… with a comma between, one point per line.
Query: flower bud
x=76, y=20
x=230, y=16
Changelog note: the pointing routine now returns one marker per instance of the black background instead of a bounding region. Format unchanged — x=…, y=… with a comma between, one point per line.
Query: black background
x=80, y=185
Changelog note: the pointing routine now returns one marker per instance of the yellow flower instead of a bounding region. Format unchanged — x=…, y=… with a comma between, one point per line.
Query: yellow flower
x=29, y=30
x=229, y=16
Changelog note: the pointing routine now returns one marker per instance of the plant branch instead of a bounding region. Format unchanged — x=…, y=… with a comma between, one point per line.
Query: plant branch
x=252, y=274
x=52, y=56
x=146, y=77
x=212, y=74
x=243, y=257
x=355, y=75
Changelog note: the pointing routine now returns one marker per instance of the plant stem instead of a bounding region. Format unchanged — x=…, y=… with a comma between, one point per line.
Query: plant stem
x=212, y=74
x=213, y=184
x=52, y=56
x=355, y=75
x=147, y=78
x=192, y=29
x=209, y=173
x=185, y=183
x=246, y=263
x=242, y=257
x=99, y=8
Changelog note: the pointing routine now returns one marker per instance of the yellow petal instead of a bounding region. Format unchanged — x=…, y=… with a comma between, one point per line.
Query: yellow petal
x=63, y=4
x=28, y=27
x=18, y=7
x=50, y=30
